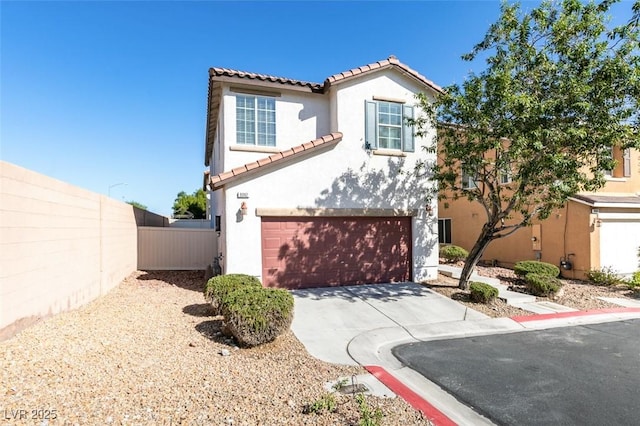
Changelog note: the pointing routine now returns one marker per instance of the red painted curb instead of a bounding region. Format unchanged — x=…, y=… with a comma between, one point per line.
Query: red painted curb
x=432, y=413
x=539, y=317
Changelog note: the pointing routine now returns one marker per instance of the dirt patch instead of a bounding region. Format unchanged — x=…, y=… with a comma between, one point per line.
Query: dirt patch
x=448, y=286
x=575, y=294
x=150, y=352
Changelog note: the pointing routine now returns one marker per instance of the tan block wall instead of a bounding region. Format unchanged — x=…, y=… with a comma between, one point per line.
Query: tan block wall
x=60, y=246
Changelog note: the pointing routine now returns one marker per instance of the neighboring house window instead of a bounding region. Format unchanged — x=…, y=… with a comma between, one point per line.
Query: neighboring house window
x=386, y=126
x=611, y=152
x=622, y=158
x=505, y=175
x=444, y=231
x=255, y=120
x=626, y=162
x=468, y=178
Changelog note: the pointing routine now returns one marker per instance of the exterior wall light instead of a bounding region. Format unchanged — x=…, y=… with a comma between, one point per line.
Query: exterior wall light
x=243, y=208
x=367, y=148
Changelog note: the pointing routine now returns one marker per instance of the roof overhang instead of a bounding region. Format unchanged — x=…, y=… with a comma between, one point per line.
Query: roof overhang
x=275, y=160
x=620, y=201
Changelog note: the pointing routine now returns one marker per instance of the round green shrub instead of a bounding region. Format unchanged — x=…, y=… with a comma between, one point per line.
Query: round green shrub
x=218, y=287
x=542, y=285
x=453, y=253
x=257, y=315
x=525, y=267
x=482, y=292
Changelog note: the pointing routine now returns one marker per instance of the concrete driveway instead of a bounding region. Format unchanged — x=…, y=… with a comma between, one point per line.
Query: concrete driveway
x=327, y=319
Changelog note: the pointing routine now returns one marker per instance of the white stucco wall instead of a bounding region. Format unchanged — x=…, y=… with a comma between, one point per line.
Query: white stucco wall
x=343, y=176
x=300, y=117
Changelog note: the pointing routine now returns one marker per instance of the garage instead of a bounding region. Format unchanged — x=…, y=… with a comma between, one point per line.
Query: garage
x=619, y=243
x=303, y=252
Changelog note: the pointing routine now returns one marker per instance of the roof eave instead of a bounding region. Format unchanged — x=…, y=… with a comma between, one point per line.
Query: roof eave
x=218, y=181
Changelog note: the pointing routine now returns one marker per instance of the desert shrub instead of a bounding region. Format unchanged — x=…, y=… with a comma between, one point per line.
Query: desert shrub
x=218, y=287
x=256, y=315
x=525, y=267
x=367, y=416
x=326, y=403
x=606, y=276
x=453, y=253
x=482, y=292
x=634, y=282
x=542, y=285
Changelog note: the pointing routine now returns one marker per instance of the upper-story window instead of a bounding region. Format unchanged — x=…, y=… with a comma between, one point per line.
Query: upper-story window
x=505, y=173
x=386, y=125
x=469, y=177
x=623, y=163
x=255, y=120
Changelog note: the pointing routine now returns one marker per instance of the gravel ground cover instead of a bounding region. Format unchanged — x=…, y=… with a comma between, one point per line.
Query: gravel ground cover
x=575, y=294
x=150, y=353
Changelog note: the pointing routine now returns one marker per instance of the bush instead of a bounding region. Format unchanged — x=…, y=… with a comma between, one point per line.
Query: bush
x=453, y=253
x=542, y=285
x=606, y=276
x=482, y=292
x=256, y=315
x=326, y=402
x=217, y=288
x=525, y=267
x=634, y=282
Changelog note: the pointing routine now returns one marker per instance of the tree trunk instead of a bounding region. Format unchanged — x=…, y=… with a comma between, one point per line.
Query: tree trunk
x=474, y=256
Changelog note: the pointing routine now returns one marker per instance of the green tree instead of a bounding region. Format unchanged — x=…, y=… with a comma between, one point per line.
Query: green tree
x=560, y=89
x=195, y=203
x=137, y=204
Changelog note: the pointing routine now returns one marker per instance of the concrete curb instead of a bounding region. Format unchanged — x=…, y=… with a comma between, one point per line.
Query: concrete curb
x=372, y=350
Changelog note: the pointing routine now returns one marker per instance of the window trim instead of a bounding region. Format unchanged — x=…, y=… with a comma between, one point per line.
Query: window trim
x=372, y=126
x=269, y=138
x=390, y=126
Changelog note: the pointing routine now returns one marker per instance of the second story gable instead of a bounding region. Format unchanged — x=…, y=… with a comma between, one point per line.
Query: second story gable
x=251, y=116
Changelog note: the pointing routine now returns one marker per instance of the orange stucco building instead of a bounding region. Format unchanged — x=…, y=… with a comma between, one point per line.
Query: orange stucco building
x=593, y=230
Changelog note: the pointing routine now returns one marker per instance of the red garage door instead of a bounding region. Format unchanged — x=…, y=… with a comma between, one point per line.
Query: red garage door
x=331, y=251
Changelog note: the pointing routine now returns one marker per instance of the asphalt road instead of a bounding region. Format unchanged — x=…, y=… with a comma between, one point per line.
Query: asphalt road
x=579, y=375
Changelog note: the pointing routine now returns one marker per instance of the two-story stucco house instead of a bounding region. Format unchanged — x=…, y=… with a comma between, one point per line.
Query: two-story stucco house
x=592, y=231
x=312, y=184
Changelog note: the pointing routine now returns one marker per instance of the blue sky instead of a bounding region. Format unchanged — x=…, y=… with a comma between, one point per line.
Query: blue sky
x=102, y=93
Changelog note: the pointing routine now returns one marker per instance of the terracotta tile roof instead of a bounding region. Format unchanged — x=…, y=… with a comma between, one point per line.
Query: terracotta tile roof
x=226, y=72
x=219, y=75
x=604, y=198
x=278, y=158
x=390, y=62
